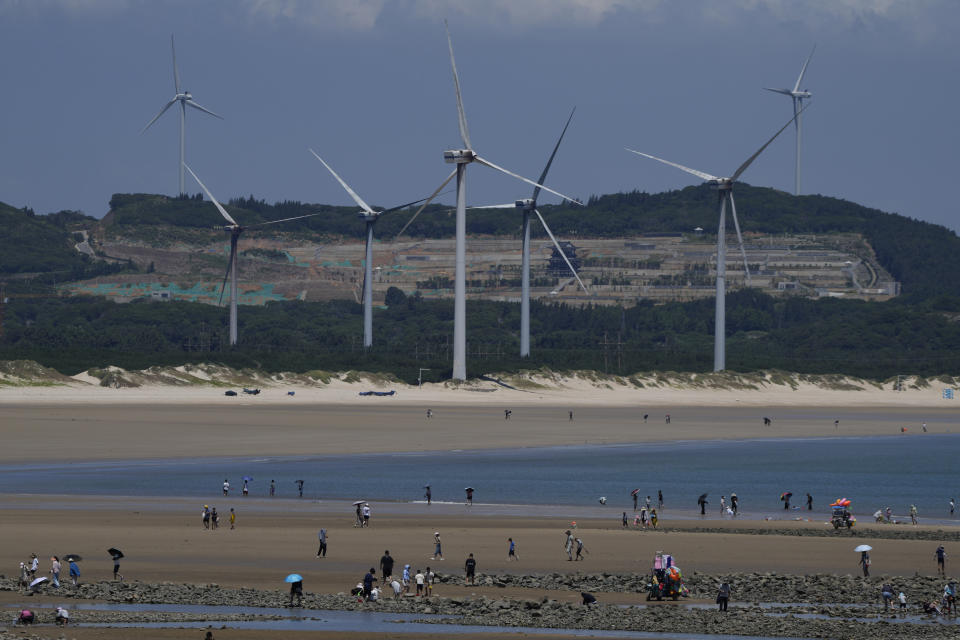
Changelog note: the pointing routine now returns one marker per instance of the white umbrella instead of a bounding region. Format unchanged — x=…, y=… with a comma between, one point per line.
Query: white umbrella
x=38, y=581
x=864, y=547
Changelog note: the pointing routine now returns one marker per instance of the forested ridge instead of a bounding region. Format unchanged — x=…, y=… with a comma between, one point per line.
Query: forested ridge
x=917, y=333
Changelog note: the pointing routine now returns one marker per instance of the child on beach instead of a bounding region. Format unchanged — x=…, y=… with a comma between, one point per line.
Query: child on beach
x=653, y=518
x=233, y=519
x=511, y=551
x=580, y=550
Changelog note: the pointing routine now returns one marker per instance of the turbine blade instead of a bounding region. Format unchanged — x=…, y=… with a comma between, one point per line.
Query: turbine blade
x=425, y=203
x=260, y=224
x=785, y=92
x=749, y=161
x=464, y=133
x=204, y=109
x=223, y=287
x=402, y=206
x=543, y=176
x=560, y=249
x=220, y=208
x=700, y=174
x=527, y=180
x=736, y=225
x=353, y=194
x=157, y=117
x=176, y=72
x=804, y=69
x=509, y=205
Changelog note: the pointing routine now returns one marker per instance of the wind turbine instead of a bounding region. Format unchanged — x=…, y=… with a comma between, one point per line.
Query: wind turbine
x=185, y=99
x=528, y=206
x=461, y=158
x=725, y=193
x=235, y=229
x=369, y=216
x=798, y=96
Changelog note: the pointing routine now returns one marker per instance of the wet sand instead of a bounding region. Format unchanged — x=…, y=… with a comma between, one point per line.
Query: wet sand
x=37, y=431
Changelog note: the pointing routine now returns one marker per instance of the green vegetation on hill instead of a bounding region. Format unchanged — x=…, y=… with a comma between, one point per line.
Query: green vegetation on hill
x=859, y=338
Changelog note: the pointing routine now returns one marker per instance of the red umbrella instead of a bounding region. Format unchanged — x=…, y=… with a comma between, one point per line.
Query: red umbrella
x=635, y=492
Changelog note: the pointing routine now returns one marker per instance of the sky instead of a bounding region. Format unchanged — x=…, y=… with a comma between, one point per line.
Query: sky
x=367, y=83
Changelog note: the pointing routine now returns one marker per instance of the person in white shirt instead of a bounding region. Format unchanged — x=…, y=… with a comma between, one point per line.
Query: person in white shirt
x=420, y=579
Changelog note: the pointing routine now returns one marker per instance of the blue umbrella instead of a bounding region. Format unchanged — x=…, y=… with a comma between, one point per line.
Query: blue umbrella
x=294, y=577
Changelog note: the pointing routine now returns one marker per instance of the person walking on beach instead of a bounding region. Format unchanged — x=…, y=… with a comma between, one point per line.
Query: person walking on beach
x=368, y=581
x=55, y=571
x=300, y=487
x=470, y=569
x=624, y=523
x=366, y=515
x=636, y=497
x=645, y=416
x=469, y=491
x=205, y=517
x=226, y=486
x=429, y=414
x=660, y=499
x=667, y=418
x=437, y=547
x=246, y=489
x=571, y=416
x=359, y=522
x=296, y=591
x=233, y=518
x=512, y=550
x=953, y=505
x=428, y=494
x=734, y=504
x=723, y=504
x=386, y=566
x=647, y=502
x=322, y=549
x=580, y=550
x=643, y=517
x=809, y=502
x=568, y=545
x=506, y=414
x=941, y=556
x=723, y=596
x=74, y=573
x=886, y=592
x=115, y=555
x=702, y=503
x=214, y=519
x=913, y=514
x=34, y=565
x=653, y=518
x=273, y=488
x=865, y=563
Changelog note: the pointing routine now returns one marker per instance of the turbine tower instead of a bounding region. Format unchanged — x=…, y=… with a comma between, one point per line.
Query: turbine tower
x=725, y=193
x=461, y=158
x=528, y=206
x=235, y=230
x=185, y=99
x=798, y=96
x=370, y=217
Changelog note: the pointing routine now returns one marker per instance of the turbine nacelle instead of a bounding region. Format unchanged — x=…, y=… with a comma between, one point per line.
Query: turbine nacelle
x=368, y=217
x=459, y=156
x=801, y=94
x=527, y=204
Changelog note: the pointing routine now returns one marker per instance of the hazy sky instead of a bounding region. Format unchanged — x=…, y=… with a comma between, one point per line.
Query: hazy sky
x=367, y=83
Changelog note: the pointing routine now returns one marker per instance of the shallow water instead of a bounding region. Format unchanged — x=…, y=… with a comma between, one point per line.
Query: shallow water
x=873, y=472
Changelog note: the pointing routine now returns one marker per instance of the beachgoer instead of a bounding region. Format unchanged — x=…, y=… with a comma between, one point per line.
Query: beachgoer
x=366, y=514
x=667, y=418
x=836, y=424
x=913, y=514
x=903, y=600
x=428, y=494
x=431, y=578
x=405, y=577
x=469, y=568
x=941, y=555
x=359, y=522
x=386, y=566
x=74, y=573
x=62, y=617
x=273, y=488
x=659, y=499
x=55, y=571
x=368, y=581
x=767, y=421
x=568, y=545
x=723, y=504
x=512, y=550
x=429, y=414
x=209, y=634
x=322, y=549
x=34, y=565
x=653, y=518
x=226, y=486
x=506, y=414
x=809, y=502
x=624, y=522
x=865, y=563
x=635, y=498
x=886, y=592
x=300, y=487
x=950, y=597
x=420, y=579
x=246, y=489
x=587, y=598
x=437, y=547
x=296, y=591
x=571, y=416
x=214, y=519
x=723, y=596
x=469, y=492
x=25, y=617
x=924, y=427
x=233, y=518
x=702, y=503
x=953, y=505
x=931, y=607
x=205, y=517
x=643, y=517
x=647, y=502
x=645, y=416
x=889, y=513
x=115, y=555
x=397, y=589
x=734, y=503
x=580, y=550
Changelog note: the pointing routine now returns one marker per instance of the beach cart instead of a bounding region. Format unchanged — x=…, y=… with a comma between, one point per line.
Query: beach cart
x=666, y=580
x=841, y=516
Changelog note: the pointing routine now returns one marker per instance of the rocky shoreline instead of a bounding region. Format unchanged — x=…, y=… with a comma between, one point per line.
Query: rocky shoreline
x=814, y=606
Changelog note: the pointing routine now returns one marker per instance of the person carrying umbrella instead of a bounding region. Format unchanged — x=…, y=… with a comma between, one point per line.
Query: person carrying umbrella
x=864, y=559
x=635, y=493
x=296, y=588
x=116, y=554
x=785, y=497
x=702, y=503
x=469, y=491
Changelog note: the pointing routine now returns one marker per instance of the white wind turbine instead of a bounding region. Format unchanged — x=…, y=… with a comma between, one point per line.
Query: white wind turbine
x=369, y=216
x=798, y=96
x=528, y=206
x=461, y=158
x=185, y=99
x=725, y=193
x=235, y=230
